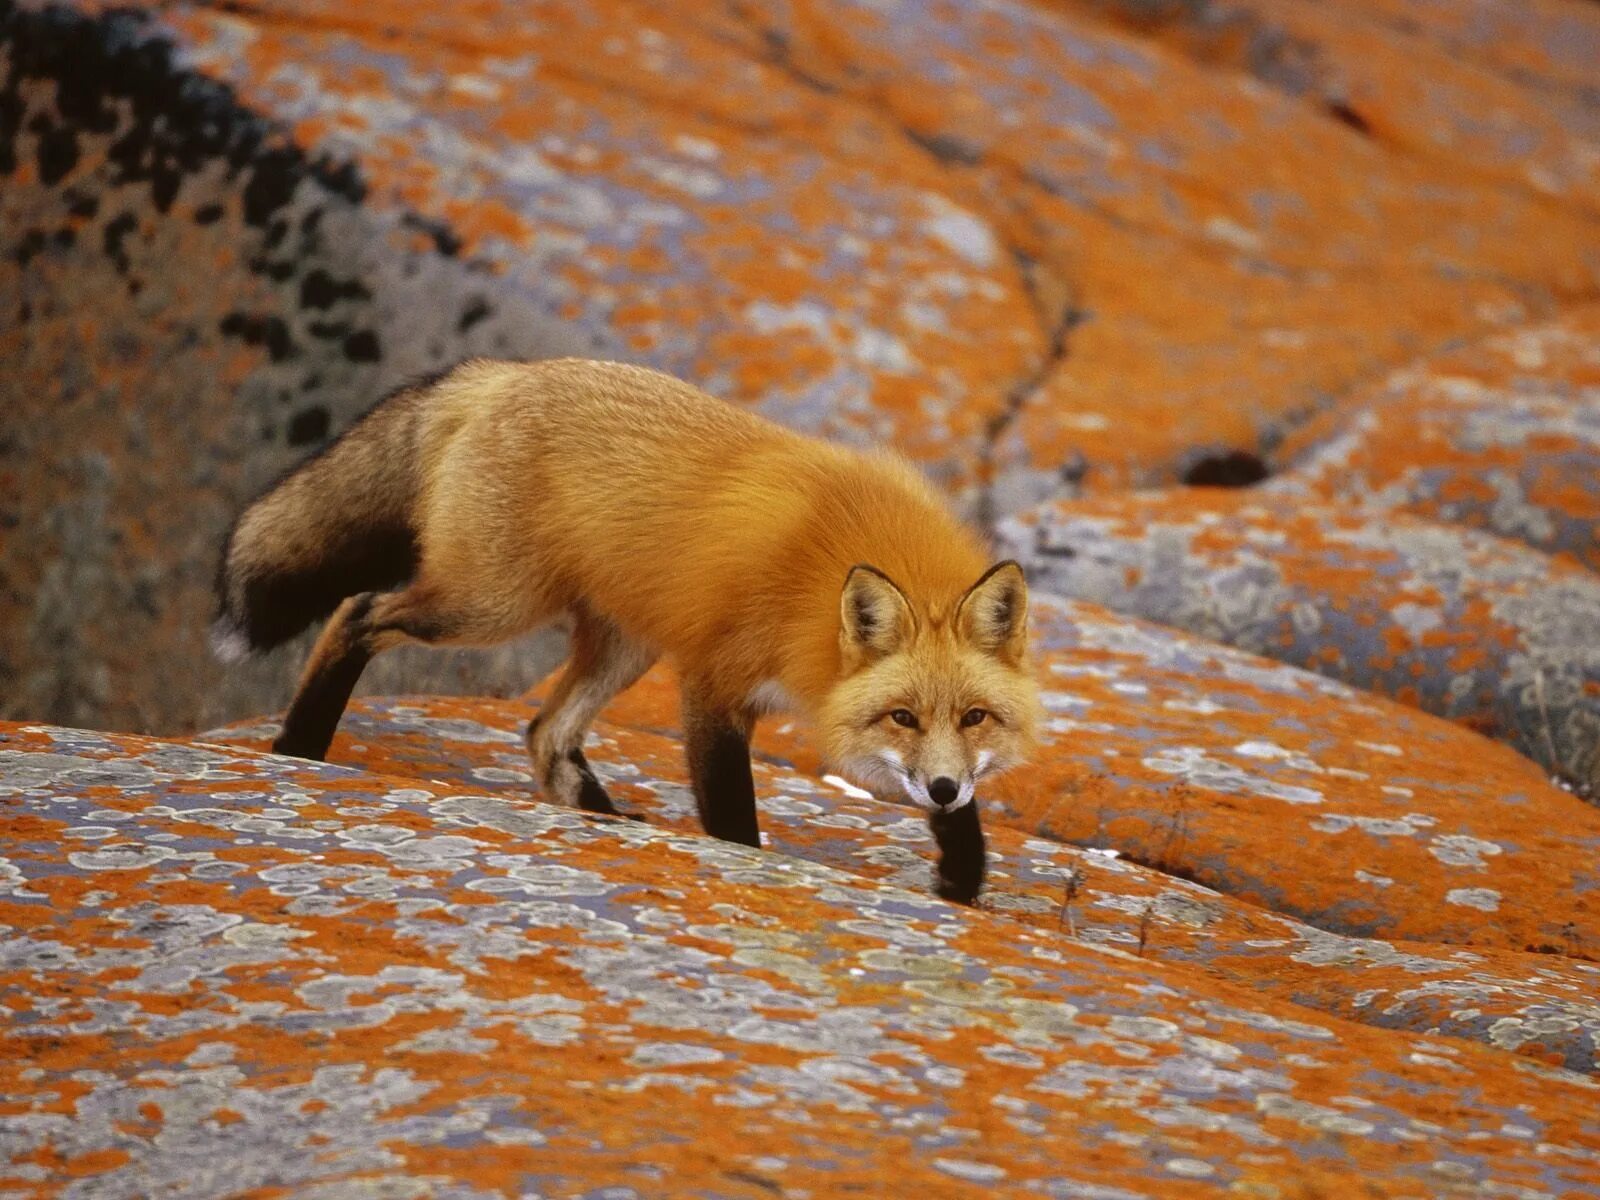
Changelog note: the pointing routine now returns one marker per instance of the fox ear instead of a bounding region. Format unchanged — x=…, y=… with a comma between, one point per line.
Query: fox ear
x=874, y=617
x=993, y=615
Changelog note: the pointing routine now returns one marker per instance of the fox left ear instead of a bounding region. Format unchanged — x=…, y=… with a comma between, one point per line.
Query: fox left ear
x=874, y=617
x=993, y=615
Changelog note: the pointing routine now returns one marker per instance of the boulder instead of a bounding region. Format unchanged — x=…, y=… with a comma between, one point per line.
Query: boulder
x=193, y=301
x=1247, y=928
x=1501, y=435
x=1031, y=250
x=1300, y=794
x=1486, y=89
x=220, y=249
x=1540, y=1004
x=1220, y=258
x=1456, y=622
x=663, y=1013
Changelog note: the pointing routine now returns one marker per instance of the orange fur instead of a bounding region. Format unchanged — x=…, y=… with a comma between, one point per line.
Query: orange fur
x=666, y=522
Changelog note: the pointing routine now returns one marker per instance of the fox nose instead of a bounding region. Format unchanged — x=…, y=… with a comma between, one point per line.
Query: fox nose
x=943, y=791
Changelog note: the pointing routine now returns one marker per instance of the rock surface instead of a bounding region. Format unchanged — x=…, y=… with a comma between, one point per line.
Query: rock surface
x=666, y=1014
x=193, y=301
x=1249, y=930
x=1541, y=1004
x=1034, y=250
x=1494, y=90
x=1502, y=435
x=1484, y=631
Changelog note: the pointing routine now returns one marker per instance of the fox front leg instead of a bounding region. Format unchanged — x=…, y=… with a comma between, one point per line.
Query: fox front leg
x=604, y=661
x=568, y=775
x=718, y=745
x=962, y=854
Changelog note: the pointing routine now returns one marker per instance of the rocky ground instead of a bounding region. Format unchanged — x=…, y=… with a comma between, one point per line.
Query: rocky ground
x=1266, y=333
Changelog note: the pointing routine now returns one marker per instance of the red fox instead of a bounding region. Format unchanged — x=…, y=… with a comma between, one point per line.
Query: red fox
x=774, y=570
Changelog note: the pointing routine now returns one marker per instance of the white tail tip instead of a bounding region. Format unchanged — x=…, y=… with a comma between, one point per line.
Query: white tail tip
x=228, y=642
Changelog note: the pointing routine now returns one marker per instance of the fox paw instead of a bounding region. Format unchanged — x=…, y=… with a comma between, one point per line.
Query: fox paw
x=292, y=746
x=571, y=780
x=962, y=890
x=591, y=797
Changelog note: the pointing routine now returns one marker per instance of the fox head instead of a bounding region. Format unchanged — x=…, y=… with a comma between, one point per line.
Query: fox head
x=930, y=701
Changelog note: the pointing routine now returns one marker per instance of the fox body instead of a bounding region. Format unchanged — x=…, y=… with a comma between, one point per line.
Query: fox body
x=774, y=570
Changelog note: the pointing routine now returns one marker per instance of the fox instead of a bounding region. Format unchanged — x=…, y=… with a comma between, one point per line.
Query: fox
x=775, y=571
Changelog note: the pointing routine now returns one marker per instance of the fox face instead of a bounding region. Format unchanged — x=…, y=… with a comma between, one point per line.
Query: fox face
x=931, y=702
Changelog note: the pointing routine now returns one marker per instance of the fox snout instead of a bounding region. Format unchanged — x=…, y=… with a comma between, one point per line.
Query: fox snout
x=939, y=790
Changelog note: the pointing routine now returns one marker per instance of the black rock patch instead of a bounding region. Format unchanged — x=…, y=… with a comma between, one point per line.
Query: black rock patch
x=1229, y=469
x=362, y=346
x=308, y=425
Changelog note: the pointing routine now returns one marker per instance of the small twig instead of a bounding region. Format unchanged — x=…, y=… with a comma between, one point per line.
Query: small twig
x=1573, y=938
x=1177, y=830
x=1145, y=918
x=1074, y=881
x=1544, y=717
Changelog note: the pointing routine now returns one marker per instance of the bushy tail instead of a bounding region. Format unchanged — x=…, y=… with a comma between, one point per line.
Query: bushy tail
x=340, y=524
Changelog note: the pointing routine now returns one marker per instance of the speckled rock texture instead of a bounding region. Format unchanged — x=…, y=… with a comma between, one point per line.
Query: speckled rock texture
x=664, y=1014
x=1502, y=435
x=1501, y=91
x=1457, y=622
x=1544, y=1004
x=192, y=301
x=1034, y=248
x=1251, y=928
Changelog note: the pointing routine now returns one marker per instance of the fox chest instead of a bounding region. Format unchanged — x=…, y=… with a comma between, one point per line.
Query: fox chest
x=770, y=696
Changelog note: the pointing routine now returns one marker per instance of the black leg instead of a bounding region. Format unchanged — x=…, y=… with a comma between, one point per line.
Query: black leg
x=961, y=852
x=336, y=663
x=359, y=629
x=309, y=724
x=719, y=769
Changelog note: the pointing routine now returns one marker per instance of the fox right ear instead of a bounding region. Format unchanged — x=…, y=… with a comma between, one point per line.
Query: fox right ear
x=993, y=615
x=874, y=616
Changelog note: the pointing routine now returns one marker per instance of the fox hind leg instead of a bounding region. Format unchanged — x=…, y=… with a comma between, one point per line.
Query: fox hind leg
x=603, y=662
x=337, y=660
x=360, y=629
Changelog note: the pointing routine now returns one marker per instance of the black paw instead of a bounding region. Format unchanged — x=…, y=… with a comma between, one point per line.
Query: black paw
x=958, y=891
x=591, y=796
x=299, y=747
x=962, y=856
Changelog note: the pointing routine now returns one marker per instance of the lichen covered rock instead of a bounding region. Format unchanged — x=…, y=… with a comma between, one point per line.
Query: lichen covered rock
x=1539, y=1004
x=1032, y=250
x=1247, y=929
x=193, y=301
x=1484, y=631
x=1502, y=435
x=1483, y=88
x=1300, y=794
x=670, y=1012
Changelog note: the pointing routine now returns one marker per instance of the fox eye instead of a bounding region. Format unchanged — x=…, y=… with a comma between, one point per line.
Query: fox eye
x=905, y=717
x=974, y=716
